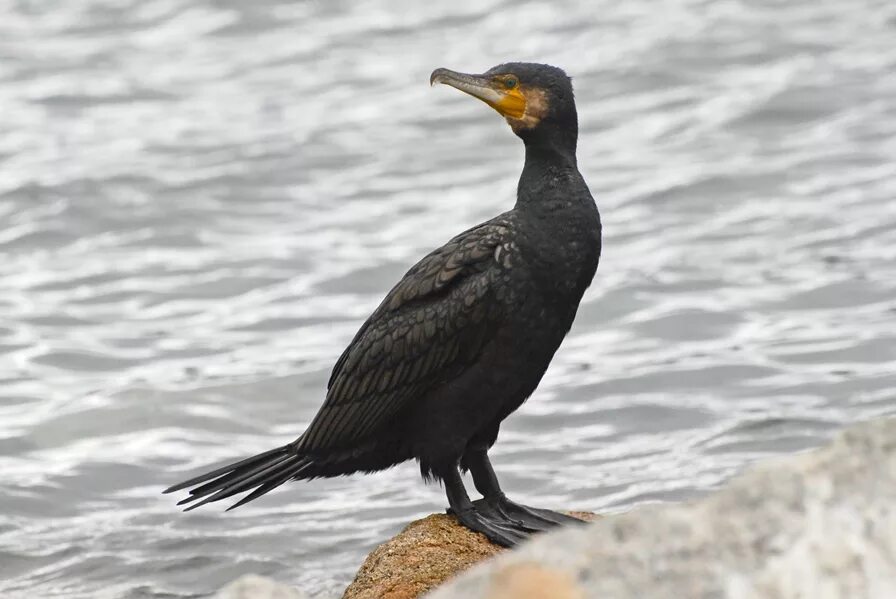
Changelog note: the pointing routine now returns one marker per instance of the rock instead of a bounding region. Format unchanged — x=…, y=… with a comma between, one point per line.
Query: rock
x=421, y=557
x=820, y=525
x=252, y=586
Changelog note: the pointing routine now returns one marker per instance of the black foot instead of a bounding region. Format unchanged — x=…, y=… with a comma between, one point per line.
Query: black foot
x=530, y=518
x=494, y=510
x=498, y=530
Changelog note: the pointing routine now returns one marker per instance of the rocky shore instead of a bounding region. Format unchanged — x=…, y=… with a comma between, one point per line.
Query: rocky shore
x=818, y=525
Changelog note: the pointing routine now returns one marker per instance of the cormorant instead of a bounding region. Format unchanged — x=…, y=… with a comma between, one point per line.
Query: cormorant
x=464, y=337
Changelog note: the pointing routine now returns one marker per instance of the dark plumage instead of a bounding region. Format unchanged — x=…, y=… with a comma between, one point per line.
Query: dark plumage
x=464, y=338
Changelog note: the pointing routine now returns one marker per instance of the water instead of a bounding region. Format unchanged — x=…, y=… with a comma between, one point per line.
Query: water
x=200, y=201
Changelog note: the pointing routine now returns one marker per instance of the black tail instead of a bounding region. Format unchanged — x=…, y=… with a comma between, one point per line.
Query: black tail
x=263, y=472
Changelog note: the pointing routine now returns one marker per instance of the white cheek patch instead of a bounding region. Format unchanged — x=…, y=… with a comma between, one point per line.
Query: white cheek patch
x=536, y=109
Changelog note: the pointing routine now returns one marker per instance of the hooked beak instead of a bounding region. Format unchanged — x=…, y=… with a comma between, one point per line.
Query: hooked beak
x=509, y=103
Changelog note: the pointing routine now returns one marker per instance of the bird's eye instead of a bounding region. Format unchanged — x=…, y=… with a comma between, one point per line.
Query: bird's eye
x=510, y=83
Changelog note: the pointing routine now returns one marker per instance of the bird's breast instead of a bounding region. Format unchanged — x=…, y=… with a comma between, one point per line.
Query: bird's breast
x=560, y=262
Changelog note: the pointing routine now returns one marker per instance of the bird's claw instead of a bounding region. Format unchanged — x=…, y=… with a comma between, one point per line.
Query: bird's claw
x=507, y=523
x=535, y=518
x=498, y=530
x=495, y=510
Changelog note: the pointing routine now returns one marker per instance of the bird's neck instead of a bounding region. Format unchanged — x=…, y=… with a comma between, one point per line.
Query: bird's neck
x=548, y=155
x=549, y=174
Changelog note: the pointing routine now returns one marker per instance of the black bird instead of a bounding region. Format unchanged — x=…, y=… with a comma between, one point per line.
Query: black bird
x=465, y=337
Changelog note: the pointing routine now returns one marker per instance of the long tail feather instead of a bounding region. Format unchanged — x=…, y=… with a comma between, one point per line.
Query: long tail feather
x=262, y=472
x=228, y=481
x=272, y=484
x=224, y=470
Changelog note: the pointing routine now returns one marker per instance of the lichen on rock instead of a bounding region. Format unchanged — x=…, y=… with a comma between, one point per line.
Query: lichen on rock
x=424, y=555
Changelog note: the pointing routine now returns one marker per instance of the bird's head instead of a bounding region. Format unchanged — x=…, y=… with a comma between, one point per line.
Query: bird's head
x=536, y=99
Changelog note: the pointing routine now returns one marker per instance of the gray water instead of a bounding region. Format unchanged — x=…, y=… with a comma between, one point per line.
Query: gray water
x=201, y=200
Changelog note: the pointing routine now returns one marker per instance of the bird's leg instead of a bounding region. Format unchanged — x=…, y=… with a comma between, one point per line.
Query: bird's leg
x=494, y=502
x=497, y=530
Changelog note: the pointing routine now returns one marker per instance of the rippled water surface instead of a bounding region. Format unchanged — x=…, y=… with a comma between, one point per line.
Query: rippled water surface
x=200, y=201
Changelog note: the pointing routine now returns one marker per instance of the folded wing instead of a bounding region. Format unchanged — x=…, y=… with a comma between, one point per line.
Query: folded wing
x=429, y=328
